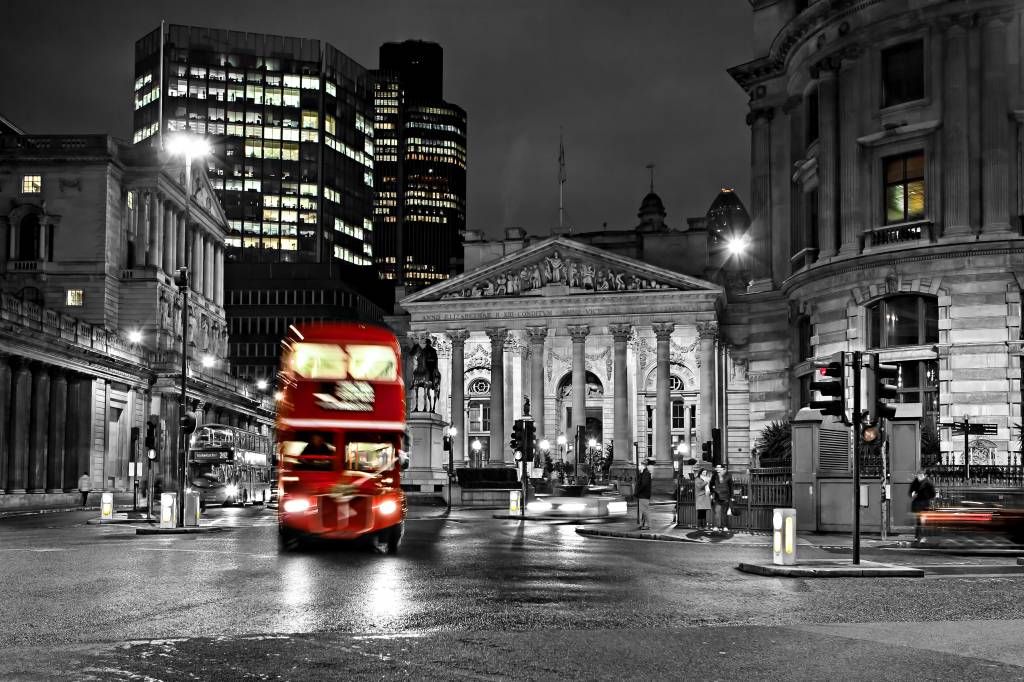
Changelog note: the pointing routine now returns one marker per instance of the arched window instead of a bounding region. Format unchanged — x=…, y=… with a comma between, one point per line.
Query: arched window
x=28, y=238
x=904, y=320
x=480, y=386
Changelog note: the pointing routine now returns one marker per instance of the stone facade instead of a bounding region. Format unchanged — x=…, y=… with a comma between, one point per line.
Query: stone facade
x=843, y=97
x=91, y=233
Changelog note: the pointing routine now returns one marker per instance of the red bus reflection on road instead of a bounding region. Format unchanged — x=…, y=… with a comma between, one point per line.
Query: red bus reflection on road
x=341, y=428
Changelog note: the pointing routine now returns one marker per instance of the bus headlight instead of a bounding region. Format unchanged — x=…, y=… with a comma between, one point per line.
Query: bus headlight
x=231, y=490
x=296, y=504
x=388, y=507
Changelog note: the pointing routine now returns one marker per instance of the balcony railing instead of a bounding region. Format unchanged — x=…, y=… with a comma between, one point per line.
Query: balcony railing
x=24, y=266
x=902, y=233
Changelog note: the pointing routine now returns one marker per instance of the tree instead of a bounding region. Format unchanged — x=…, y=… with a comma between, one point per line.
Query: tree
x=931, y=453
x=774, y=447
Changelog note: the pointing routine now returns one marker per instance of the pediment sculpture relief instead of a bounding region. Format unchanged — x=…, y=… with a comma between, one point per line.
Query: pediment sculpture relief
x=557, y=271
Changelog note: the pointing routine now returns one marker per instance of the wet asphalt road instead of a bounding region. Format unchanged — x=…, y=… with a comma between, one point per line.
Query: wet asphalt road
x=472, y=597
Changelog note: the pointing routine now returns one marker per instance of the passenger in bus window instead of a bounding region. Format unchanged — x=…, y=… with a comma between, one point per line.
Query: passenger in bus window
x=317, y=445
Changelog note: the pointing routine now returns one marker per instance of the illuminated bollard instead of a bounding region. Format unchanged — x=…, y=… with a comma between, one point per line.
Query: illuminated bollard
x=168, y=509
x=514, y=499
x=784, y=536
x=191, y=509
x=107, y=507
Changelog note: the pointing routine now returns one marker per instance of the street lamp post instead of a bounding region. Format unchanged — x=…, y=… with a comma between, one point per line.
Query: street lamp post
x=591, y=444
x=476, y=445
x=450, y=445
x=191, y=148
x=545, y=447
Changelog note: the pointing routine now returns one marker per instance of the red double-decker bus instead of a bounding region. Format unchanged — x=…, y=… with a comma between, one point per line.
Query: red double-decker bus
x=341, y=430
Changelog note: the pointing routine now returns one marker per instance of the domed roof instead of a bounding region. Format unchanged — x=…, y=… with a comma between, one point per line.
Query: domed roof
x=651, y=204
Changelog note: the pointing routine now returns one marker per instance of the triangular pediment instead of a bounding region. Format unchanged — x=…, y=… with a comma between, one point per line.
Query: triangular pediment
x=560, y=267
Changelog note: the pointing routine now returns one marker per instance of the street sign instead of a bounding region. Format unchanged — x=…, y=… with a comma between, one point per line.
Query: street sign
x=974, y=429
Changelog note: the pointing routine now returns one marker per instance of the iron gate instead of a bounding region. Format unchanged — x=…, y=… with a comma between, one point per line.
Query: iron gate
x=755, y=493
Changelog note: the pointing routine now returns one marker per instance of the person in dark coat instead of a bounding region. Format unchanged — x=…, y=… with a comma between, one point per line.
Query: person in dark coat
x=721, y=497
x=922, y=492
x=643, y=494
x=702, y=496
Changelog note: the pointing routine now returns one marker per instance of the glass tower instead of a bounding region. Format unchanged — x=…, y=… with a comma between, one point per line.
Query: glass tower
x=420, y=174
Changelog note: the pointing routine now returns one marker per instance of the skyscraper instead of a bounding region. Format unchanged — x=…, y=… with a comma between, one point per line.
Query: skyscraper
x=291, y=127
x=420, y=172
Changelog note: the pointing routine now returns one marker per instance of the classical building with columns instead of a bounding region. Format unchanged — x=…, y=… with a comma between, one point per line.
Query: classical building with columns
x=616, y=331
x=91, y=232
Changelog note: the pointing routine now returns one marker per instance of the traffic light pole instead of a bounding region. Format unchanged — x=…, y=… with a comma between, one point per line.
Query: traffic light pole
x=857, y=419
x=183, y=456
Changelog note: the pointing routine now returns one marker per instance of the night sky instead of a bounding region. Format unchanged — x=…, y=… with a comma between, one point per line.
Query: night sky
x=630, y=82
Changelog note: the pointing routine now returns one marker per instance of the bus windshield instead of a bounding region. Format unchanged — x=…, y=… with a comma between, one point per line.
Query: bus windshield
x=328, y=361
x=315, y=451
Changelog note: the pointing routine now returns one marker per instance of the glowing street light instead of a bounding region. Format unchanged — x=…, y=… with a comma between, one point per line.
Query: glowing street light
x=209, y=361
x=738, y=245
x=135, y=336
x=261, y=384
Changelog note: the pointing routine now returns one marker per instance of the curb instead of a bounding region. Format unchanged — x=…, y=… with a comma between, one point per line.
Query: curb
x=111, y=522
x=180, y=531
x=516, y=517
x=872, y=570
x=14, y=513
x=634, y=535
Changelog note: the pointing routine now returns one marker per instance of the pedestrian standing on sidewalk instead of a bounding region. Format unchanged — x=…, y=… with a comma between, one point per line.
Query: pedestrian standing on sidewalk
x=702, y=497
x=84, y=486
x=721, y=497
x=922, y=492
x=643, y=494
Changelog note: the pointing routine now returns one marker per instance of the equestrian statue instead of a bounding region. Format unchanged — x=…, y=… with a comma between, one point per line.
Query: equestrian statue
x=426, y=377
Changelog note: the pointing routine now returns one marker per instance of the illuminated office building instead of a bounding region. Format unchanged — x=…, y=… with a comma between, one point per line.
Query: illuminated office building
x=420, y=172
x=290, y=124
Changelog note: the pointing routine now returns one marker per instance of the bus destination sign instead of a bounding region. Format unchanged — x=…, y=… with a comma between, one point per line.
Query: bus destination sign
x=348, y=396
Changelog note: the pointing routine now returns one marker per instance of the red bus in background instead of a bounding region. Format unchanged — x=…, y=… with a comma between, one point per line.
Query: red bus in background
x=341, y=430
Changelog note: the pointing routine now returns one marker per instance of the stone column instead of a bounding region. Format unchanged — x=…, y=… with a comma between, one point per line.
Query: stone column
x=208, y=269
x=707, y=332
x=995, y=129
x=457, y=390
x=181, y=233
x=621, y=445
x=687, y=425
x=152, y=224
x=663, y=399
x=39, y=440
x=496, y=451
x=760, y=122
x=170, y=240
x=5, y=419
x=827, y=147
x=75, y=407
x=851, y=202
x=58, y=422
x=196, y=267
x=537, y=336
x=956, y=183
x=578, y=333
x=156, y=246
x=218, y=274
x=21, y=404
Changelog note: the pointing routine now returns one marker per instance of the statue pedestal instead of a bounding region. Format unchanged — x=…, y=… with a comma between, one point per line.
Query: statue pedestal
x=427, y=457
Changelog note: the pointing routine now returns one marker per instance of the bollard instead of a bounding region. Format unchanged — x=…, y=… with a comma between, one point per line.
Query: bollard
x=107, y=507
x=514, y=498
x=168, y=510
x=784, y=536
x=191, y=508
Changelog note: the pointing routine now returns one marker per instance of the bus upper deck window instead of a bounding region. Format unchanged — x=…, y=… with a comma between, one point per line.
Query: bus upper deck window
x=372, y=363
x=319, y=361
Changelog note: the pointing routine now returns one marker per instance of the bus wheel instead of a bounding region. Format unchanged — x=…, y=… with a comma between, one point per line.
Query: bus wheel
x=288, y=540
x=394, y=535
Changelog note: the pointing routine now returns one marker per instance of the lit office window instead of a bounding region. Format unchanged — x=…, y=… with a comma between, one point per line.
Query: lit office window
x=31, y=184
x=75, y=297
x=904, y=187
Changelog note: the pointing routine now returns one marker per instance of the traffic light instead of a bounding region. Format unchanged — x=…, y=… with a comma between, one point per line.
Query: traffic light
x=517, y=441
x=529, y=438
x=188, y=423
x=716, y=446
x=154, y=439
x=884, y=390
x=834, y=402
x=705, y=451
x=447, y=443
x=181, y=277
x=150, y=441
